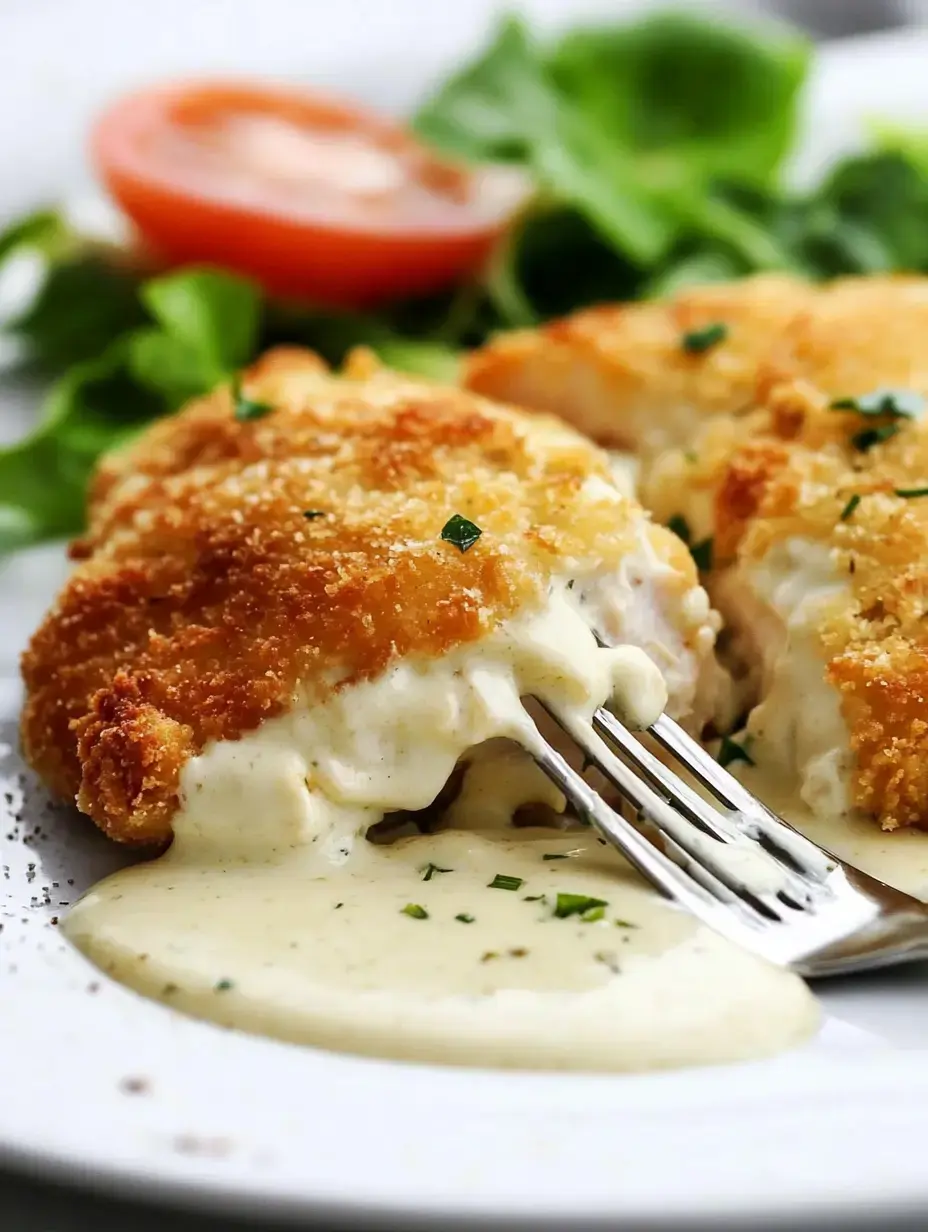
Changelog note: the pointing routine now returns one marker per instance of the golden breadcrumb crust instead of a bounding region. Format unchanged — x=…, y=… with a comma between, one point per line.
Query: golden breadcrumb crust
x=801, y=474
x=232, y=567
x=621, y=373
x=856, y=334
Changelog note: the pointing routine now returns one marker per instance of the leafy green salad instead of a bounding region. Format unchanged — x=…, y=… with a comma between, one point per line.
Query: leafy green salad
x=655, y=151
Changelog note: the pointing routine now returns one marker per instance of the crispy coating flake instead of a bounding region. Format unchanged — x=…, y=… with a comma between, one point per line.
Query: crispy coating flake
x=207, y=600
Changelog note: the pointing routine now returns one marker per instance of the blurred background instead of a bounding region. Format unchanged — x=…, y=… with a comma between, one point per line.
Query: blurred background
x=95, y=48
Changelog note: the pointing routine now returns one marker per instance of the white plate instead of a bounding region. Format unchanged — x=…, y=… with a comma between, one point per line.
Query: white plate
x=231, y=1121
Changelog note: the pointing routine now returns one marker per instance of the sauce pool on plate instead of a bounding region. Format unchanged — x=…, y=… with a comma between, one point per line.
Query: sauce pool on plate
x=536, y=949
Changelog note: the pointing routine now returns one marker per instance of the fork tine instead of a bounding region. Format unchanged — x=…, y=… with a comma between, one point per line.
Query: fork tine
x=694, y=807
x=754, y=817
x=690, y=804
x=701, y=852
x=859, y=923
x=694, y=888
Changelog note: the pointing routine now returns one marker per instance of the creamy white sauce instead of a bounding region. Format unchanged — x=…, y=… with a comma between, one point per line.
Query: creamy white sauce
x=323, y=774
x=273, y=913
x=266, y=947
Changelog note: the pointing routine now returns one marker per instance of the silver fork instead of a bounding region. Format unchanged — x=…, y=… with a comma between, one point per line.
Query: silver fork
x=735, y=865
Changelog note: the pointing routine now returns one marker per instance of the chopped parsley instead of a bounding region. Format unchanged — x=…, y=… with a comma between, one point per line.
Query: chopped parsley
x=488, y=955
x=698, y=341
x=702, y=554
x=246, y=409
x=502, y=881
x=311, y=514
x=414, y=910
x=460, y=532
x=866, y=438
x=223, y=985
x=533, y=898
x=465, y=917
x=431, y=869
x=592, y=914
x=897, y=403
x=555, y=855
x=910, y=493
x=624, y=924
x=579, y=904
x=731, y=751
x=848, y=510
x=680, y=527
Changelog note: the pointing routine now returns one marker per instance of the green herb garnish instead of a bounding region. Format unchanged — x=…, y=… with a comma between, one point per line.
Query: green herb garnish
x=680, y=527
x=414, y=910
x=592, y=914
x=460, y=532
x=502, y=881
x=910, y=493
x=897, y=403
x=577, y=904
x=866, y=438
x=848, y=510
x=311, y=514
x=554, y=855
x=624, y=924
x=223, y=985
x=465, y=918
x=702, y=554
x=247, y=409
x=697, y=341
x=431, y=869
x=533, y=898
x=731, y=751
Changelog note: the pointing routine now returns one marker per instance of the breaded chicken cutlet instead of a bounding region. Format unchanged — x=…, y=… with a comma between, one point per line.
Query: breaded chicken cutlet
x=643, y=376
x=817, y=515
x=820, y=543
x=353, y=531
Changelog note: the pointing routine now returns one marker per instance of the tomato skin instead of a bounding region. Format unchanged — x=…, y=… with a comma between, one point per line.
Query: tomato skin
x=345, y=262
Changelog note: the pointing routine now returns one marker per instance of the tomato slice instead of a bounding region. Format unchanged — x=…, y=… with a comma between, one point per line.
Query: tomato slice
x=315, y=197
